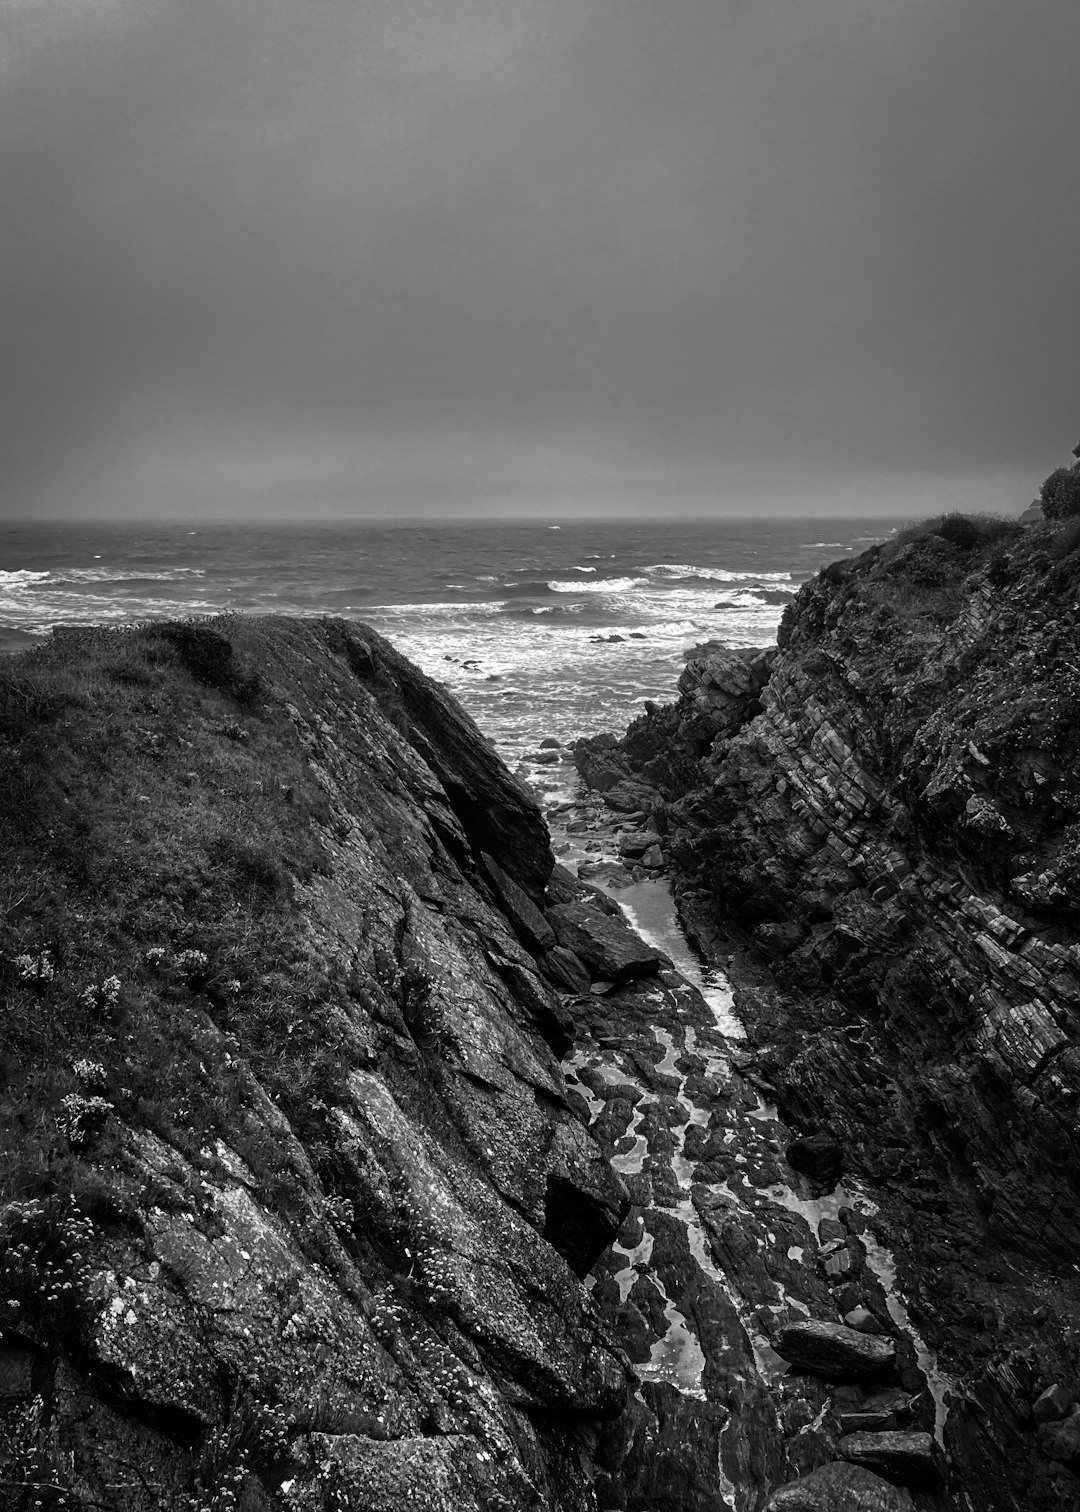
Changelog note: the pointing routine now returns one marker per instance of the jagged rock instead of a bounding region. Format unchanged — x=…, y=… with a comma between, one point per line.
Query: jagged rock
x=601, y=762
x=1052, y=1404
x=841, y=1264
x=606, y=943
x=780, y=939
x=911, y=1459
x=630, y=797
x=834, y=1350
x=1061, y=1441
x=540, y=1008
x=863, y=1320
x=653, y=858
x=840, y=1487
x=819, y=1156
x=531, y=926
x=637, y=843
x=565, y=969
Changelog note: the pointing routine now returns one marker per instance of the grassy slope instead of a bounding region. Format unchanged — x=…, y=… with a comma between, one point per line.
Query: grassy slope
x=151, y=795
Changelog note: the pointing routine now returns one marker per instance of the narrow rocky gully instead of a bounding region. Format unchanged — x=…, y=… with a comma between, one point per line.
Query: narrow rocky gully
x=757, y=1303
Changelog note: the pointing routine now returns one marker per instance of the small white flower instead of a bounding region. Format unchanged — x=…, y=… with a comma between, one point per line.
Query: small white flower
x=35, y=968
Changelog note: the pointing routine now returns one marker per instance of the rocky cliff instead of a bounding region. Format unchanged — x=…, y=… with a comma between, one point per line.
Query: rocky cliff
x=878, y=825
x=294, y=1206
x=354, y=1155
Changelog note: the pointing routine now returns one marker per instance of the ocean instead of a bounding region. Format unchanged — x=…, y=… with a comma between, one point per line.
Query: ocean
x=542, y=631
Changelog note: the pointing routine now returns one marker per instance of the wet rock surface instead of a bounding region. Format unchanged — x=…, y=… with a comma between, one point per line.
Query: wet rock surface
x=834, y=1349
x=726, y=1245
x=840, y=1488
x=604, y=943
x=877, y=843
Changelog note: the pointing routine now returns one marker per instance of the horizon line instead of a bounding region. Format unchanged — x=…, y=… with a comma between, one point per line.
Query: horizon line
x=549, y=522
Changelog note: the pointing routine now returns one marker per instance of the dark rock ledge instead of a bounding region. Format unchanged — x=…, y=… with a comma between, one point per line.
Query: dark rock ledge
x=874, y=830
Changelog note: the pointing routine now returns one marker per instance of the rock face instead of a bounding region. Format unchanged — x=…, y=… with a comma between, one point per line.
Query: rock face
x=889, y=822
x=294, y=1197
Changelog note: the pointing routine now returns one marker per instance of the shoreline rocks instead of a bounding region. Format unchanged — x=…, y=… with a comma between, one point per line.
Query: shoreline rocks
x=834, y=1350
x=876, y=827
x=840, y=1487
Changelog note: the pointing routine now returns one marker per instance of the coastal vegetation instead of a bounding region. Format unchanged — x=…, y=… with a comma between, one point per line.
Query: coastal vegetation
x=154, y=824
x=1060, y=493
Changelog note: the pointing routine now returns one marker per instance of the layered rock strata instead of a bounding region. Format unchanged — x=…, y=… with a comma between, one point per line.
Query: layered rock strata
x=296, y=1204
x=884, y=812
x=719, y=1289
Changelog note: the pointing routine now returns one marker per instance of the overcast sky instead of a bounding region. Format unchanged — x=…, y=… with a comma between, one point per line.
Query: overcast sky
x=536, y=256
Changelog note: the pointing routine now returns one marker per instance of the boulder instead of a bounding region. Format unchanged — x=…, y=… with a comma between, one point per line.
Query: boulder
x=544, y=758
x=637, y=842
x=833, y=1350
x=605, y=943
x=627, y=797
x=1052, y=1404
x=818, y=1156
x=840, y=1487
x=910, y=1459
x=1061, y=1441
x=601, y=764
x=653, y=858
x=863, y=1320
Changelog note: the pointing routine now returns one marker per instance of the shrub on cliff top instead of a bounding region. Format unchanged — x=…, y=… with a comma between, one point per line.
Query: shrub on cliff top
x=1060, y=493
x=963, y=530
x=1067, y=540
x=209, y=657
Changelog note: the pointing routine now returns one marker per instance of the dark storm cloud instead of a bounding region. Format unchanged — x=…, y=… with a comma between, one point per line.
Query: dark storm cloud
x=559, y=253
